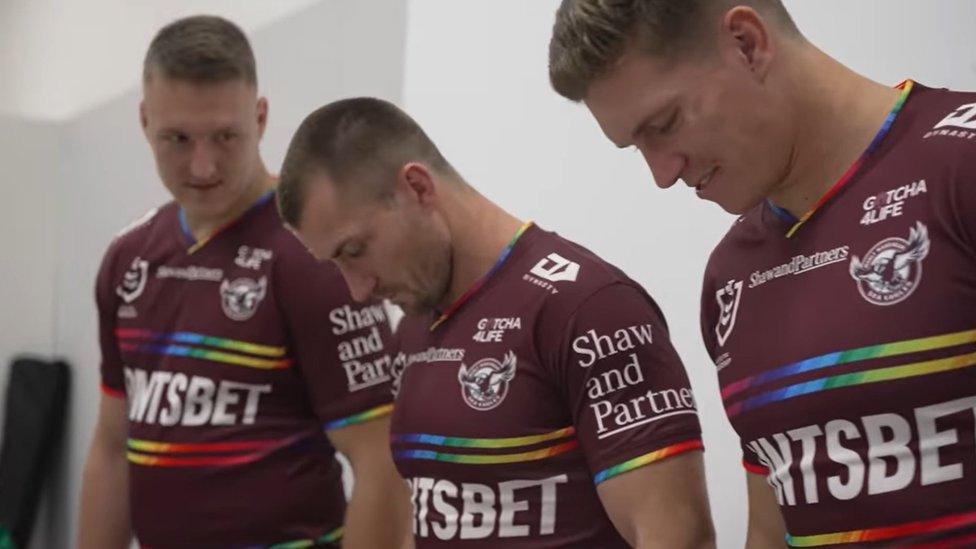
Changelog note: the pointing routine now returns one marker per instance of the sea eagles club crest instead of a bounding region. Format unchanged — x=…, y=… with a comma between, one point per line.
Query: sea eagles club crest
x=728, y=304
x=485, y=384
x=240, y=298
x=892, y=269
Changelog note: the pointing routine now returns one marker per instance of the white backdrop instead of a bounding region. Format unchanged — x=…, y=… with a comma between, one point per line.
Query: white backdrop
x=474, y=74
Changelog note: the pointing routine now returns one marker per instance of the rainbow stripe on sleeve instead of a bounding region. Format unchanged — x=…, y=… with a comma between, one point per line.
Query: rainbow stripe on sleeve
x=648, y=458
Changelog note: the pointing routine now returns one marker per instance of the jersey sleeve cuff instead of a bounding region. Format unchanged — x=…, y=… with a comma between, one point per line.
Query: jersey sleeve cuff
x=117, y=393
x=362, y=417
x=647, y=459
x=755, y=469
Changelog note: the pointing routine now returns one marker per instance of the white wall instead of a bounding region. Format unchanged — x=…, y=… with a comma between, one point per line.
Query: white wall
x=477, y=81
x=60, y=58
x=106, y=178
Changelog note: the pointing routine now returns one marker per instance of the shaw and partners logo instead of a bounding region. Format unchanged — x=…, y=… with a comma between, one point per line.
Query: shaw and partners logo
x=892, y=269
x=484, y=384
x=800, y=264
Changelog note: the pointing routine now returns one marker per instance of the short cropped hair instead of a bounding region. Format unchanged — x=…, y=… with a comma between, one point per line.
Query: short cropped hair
x=590, y=36
x=360, y=142
x=201, y=48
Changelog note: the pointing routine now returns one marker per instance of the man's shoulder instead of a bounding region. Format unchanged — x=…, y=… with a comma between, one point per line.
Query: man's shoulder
x=573, y=272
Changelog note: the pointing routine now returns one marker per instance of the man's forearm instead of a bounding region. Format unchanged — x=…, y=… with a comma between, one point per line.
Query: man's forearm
x=378, y=514
x=104, y=521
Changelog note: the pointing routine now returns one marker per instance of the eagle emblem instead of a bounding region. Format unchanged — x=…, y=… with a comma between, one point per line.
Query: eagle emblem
x=240, y=298
x=485, y=383
x=892, y=269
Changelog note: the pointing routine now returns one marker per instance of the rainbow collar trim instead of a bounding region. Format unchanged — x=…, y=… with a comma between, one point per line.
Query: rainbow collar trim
x=481, y=282
x=906, y=88
x=192, y=241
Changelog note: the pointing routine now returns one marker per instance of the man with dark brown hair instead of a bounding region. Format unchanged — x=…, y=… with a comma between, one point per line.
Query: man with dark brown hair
x=233, y=363
x=846, y=369
x=539, y=400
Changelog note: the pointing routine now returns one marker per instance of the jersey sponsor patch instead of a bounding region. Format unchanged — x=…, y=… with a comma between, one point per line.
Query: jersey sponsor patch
x=960, y=123
x=240, y=298
x=484, y=384
x=892, y=269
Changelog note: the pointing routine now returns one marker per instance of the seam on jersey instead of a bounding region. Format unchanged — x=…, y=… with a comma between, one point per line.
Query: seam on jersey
x=883, y=533
x=647, y=459
x=361, y=417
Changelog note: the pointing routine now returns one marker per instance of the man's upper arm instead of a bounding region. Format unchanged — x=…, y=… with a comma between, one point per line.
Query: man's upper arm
x=766, y=528
x=107, y=302
x=633, y=409
x=627, y=390
x=663, y=505
x=341, y=347
x=366, y=444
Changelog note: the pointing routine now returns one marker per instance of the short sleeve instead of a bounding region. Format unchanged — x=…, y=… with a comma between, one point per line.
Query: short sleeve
x=342, y=348
x=107, y=302
x=629, y=394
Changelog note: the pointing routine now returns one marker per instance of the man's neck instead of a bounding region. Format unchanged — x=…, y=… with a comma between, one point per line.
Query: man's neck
x=480, y=231
x=838, y=112
x=202, y=227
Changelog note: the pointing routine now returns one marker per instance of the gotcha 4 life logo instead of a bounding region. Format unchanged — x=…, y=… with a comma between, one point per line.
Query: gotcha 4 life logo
x=892, y=269
x=484, y=384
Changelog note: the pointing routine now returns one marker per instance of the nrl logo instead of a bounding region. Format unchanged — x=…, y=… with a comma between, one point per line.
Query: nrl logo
x=728, y=306
x=485, y=384
x=892, y=269
x=240, y=298
x=396, y=370
x=133, y=281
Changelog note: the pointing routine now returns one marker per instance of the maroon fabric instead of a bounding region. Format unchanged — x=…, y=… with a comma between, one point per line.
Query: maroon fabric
x=556, y=339
x=891, y=258
x=253, y=282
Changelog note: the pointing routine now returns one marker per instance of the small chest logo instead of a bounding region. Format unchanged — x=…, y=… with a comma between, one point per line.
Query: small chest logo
x=728, y=298
x=892, y=269
x=133, y=281
x=485, y=384
x=556, y=268
x=240, y=298
x=251, y=258
x=960, y=123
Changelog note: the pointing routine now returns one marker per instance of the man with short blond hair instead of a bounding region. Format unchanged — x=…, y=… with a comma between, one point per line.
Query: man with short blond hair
x=234, y=365
x=846, y=368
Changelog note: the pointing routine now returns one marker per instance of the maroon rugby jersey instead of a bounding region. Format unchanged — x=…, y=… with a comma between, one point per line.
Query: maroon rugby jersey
x=554, y=376
x=845, y=353
x=233, y=354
